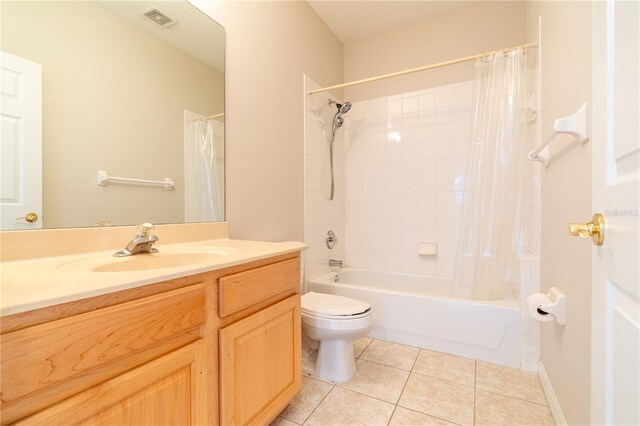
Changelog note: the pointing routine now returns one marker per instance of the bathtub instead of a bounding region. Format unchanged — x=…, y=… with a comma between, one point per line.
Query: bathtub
x=418, y=310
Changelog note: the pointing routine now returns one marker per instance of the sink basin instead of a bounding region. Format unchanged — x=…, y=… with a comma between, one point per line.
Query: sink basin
x=167, y=258
x=143, y=262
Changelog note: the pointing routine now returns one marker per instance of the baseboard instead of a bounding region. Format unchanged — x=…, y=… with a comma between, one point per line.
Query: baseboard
x=554, y=405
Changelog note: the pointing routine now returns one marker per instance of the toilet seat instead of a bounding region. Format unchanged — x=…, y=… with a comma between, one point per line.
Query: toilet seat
x=338, y=317
x=330, y=306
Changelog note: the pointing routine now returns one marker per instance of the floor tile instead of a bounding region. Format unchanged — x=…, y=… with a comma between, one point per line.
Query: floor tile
x=343, y=407
x=446, y=367
x=280, y=421
x=439, y=398
x=360, y=344
x=406, y=417
x=309, y=398
x=510, y=382
x=391, y=354
x=493, y=409
x=378, y=381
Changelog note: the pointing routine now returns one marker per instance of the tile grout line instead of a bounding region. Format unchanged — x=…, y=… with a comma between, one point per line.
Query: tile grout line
x=414, y=361
x=427, y=414
x=403, y=387
x=442, y=380
x=365, y=348
x=408, y=377
x=395, y=407
x=513, y=397
x=430, y=415
x=364, y=394
x=319, y=403
x=384, y=365
x=475, y=389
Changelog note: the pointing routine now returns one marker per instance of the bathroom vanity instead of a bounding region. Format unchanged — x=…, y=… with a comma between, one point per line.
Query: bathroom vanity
x=189, y=339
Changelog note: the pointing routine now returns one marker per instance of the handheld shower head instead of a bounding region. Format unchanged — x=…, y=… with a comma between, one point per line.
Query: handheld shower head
x=344, y=108
x=337, y=122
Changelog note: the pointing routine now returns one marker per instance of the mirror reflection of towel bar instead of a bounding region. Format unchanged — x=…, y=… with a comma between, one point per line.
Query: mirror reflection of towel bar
x=576, y=124
x=103, y=180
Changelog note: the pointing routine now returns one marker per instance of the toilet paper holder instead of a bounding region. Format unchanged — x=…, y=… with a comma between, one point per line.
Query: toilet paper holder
x=557, y=306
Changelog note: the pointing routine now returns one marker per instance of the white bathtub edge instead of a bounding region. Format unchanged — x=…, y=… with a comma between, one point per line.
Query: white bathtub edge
x=554, y=404
x=498, y=340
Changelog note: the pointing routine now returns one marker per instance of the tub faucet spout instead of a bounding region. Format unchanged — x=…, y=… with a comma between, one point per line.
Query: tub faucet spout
x=335, y=262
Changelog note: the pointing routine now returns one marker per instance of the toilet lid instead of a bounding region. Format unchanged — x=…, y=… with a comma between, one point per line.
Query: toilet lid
x=332, y=305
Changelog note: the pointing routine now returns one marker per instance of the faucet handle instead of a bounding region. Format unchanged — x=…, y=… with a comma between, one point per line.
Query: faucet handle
x=144, y=228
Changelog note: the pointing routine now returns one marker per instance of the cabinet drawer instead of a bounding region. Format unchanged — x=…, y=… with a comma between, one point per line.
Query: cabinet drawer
x=239, y=291
x=36, y=357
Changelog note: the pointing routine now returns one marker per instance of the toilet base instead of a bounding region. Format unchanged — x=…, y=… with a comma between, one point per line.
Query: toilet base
x=335, y=361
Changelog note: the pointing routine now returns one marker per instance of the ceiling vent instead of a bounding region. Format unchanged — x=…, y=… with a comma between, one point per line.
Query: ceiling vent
x=160, y=18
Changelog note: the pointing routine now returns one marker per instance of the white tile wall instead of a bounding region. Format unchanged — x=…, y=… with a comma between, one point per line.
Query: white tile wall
x=321, y=214
x=530, y=259
x=530, y=328
x=403, y=156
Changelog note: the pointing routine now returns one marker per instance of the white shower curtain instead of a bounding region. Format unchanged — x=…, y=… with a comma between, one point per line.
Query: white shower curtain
x=494, y=178
x=203, y=201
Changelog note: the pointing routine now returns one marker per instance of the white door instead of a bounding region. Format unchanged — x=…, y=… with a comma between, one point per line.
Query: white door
x=615, y=340
x=21, y=143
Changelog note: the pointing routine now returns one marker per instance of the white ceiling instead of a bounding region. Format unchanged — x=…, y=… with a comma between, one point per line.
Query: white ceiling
x=354, y=20
x=195, y=33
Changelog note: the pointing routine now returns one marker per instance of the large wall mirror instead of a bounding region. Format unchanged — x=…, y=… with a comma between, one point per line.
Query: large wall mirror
x=95, y=91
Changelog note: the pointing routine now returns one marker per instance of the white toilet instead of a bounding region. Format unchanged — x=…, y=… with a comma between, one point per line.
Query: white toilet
x=330, y=325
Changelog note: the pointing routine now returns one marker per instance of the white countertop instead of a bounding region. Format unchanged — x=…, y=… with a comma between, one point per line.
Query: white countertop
x=37, y=283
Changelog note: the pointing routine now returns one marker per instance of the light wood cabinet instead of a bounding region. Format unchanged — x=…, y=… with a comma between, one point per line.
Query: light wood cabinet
x=162, y=392
x=260, y=364
x=60, y=350
x=221, y=347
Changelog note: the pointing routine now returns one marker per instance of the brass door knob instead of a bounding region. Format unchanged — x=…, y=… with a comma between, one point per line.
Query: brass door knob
x=29, y=217
x=593, y=229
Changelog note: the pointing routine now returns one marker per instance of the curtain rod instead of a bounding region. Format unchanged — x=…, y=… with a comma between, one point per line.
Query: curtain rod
x=211, y=117
x=423, y=68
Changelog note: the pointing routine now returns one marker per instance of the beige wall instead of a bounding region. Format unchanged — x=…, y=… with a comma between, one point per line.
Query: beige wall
x=101, y=113
x=270, y=45
x=468, y=30
x=566, y=197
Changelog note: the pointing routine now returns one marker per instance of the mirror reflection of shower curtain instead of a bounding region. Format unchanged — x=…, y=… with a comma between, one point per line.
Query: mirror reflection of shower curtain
x=494, y=179
x=203, y=200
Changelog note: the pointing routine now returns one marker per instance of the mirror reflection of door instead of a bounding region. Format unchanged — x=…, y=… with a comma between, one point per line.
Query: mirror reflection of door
x=21, y=152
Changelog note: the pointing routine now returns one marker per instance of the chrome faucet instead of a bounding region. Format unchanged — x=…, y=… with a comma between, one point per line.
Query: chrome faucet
x=142, y=243
x=334, y=262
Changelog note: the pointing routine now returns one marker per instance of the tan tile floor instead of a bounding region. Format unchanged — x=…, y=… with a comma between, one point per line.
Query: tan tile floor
x=402, y=385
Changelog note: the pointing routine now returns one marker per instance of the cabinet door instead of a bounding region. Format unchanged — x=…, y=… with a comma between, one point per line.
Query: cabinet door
x=260, y=364
x=165, y=391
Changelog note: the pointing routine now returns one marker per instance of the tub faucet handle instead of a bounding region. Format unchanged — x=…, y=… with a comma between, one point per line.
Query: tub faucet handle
x=335, y=262
x=331, y=239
